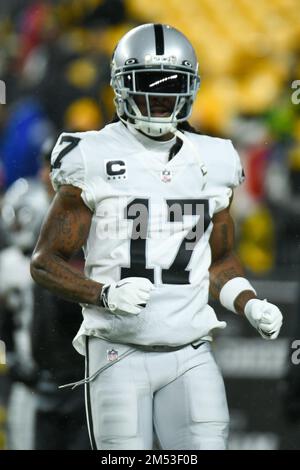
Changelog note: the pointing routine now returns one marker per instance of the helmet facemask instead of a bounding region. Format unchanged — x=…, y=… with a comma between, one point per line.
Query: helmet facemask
x=168, y=88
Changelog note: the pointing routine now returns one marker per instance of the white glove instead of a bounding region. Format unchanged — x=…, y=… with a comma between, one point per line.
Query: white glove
x=129, y=295
x=265, y=317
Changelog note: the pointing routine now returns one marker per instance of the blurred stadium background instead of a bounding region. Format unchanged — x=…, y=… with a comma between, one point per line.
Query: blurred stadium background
x=54, y=61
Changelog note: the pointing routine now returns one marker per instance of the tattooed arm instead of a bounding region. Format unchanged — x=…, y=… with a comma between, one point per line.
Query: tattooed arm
x=225, y=264
x=64, y=232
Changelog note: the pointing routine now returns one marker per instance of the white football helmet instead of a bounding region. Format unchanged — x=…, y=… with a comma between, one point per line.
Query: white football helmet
x=154, y=60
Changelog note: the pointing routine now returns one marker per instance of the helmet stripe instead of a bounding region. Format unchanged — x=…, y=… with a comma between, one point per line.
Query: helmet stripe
x=159, y=39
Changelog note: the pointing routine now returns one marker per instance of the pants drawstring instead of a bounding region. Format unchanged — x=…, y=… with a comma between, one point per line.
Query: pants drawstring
x=95, y=374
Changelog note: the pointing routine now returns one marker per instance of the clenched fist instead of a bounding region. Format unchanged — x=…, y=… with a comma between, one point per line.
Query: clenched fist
x=265, y=317
x=129, y=295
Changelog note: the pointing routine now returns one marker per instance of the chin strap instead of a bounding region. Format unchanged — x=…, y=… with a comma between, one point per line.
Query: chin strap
x=195, y=152
x=154, y=129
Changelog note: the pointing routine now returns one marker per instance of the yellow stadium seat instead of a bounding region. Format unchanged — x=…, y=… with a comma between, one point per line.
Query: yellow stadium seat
x=247, y=42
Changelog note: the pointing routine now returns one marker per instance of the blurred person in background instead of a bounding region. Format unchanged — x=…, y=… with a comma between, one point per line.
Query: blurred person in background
x=26, y=129
x=60, y=414
x=147, y=325
x=22, y=210
x=5, y=337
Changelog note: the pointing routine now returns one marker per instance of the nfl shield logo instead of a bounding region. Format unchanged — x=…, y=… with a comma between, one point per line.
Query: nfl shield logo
x=112, y=355
x=166, y=176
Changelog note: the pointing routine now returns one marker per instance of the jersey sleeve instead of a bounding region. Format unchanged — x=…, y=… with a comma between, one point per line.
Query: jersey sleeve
x=68, y=166
x=231, y=176
x=238, y=171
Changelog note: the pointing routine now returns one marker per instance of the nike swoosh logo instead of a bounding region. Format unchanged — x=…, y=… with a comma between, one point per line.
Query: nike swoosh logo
x=196, y=346
x=120, y=285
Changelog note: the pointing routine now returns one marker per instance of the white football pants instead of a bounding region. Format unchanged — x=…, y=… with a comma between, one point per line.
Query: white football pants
x=180, y=393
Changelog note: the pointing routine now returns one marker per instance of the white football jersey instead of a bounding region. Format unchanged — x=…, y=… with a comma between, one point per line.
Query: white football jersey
x=151, y=218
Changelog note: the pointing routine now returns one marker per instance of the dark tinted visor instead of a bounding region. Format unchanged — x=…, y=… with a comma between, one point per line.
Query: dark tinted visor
x=158, y=82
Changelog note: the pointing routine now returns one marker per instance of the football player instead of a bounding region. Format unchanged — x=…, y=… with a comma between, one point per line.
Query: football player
x=149, y=199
